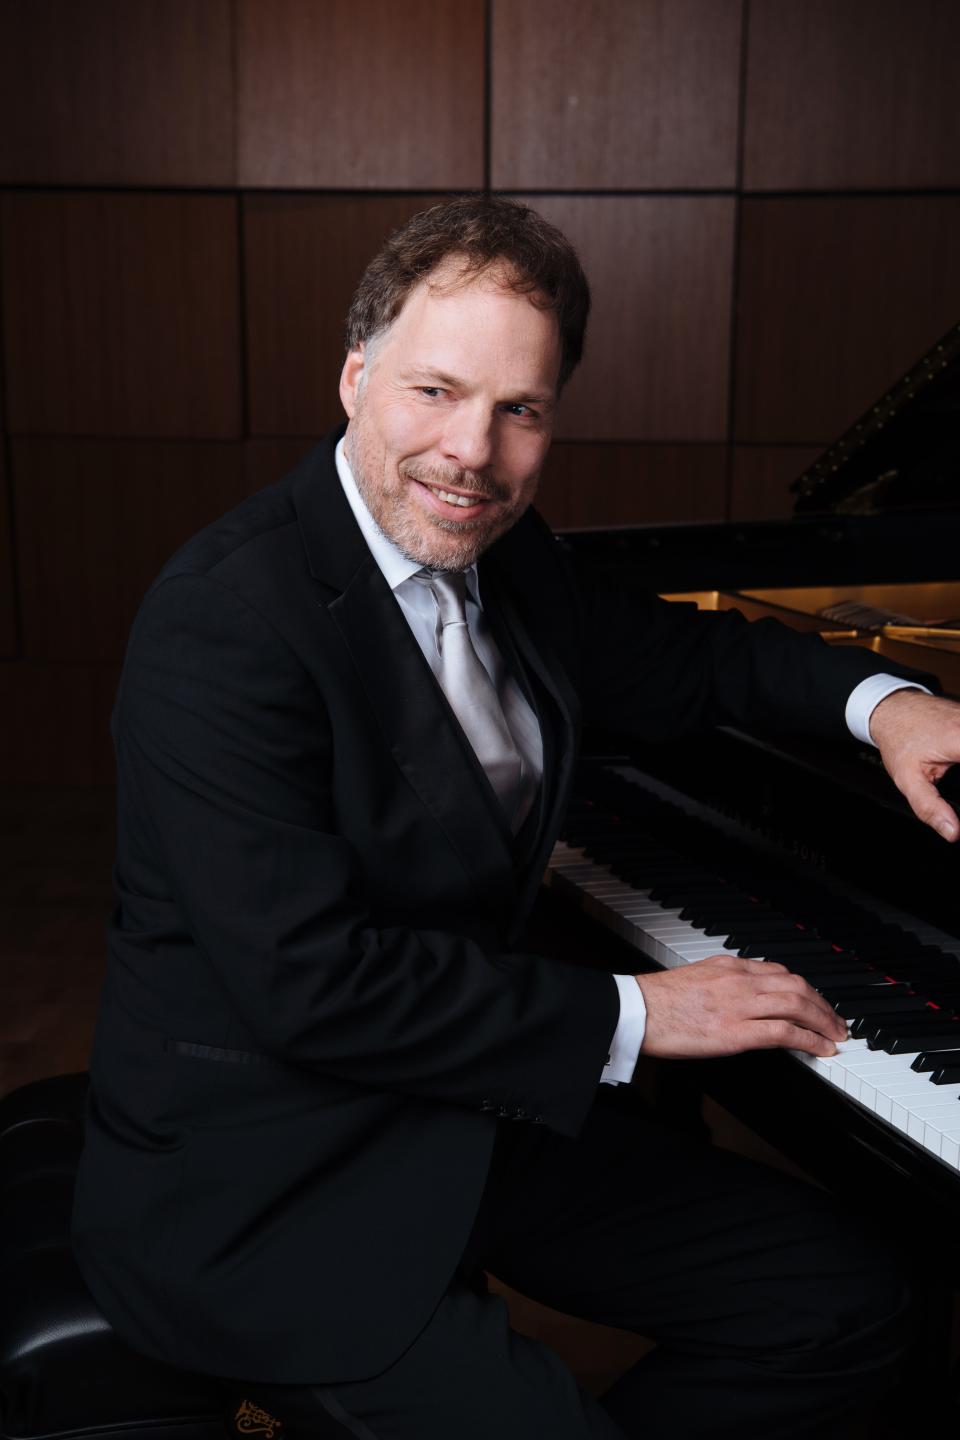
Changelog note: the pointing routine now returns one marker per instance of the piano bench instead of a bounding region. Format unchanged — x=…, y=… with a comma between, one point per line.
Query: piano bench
x=63, y=1371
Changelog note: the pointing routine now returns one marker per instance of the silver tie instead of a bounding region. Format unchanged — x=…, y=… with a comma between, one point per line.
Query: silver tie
x=470, y=691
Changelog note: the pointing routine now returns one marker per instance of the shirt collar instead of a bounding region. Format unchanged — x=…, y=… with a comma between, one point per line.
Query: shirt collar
x=394, y=565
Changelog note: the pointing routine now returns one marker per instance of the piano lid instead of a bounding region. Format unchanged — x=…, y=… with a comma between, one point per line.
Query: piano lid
x=904, y=451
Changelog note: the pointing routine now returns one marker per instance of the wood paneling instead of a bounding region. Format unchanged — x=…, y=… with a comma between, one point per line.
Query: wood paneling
x=628, y=95
x=304, y=257
x=96, y=522
x=266, y=461
x=58, y=723
x=762, y=475
x=116, y=92
x=837, y=299
x=845, y=95
x=585, y=485
x=361, y=93
x=657, y=350
x=9, y=643
x=121, y=314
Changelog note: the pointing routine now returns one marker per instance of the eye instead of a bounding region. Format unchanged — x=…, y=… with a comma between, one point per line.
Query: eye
x=430, y=391
x=522, y=412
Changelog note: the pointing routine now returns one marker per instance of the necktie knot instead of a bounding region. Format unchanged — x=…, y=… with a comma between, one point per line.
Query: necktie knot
x=450, y=592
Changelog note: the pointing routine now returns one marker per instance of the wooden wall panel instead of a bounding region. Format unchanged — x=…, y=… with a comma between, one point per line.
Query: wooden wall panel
x=59, y=723
x=584, y=485
x=630, y=94
x=761, y=479
x=121, y=314
x=848, y=94
x=9, y=641
x=116, y=92
x=365, y=94
x=658, y=347
x=96, y=521
x=837, y=298
x=304, y=257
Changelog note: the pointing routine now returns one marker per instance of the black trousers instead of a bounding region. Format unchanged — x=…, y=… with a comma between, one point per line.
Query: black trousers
x=773, y=1315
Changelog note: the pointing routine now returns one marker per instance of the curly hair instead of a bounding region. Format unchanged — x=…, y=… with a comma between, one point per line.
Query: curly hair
x=532, y=258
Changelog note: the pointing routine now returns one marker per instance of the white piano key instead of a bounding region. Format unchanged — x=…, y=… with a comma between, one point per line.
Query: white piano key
x=884, y=1085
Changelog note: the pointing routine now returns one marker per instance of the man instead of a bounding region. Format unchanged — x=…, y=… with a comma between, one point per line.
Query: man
x=328, y=1089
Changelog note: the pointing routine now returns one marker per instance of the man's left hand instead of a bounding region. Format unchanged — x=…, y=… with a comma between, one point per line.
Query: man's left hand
x=918, y=737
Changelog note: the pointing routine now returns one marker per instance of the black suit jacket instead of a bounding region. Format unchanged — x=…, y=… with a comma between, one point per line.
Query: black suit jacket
x=314, y=1019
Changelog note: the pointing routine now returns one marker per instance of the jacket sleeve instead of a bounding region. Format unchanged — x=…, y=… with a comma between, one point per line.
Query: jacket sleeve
x=225, y=758
x=665, y=669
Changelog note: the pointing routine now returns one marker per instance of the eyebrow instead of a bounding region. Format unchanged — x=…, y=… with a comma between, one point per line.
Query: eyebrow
x=451, y=382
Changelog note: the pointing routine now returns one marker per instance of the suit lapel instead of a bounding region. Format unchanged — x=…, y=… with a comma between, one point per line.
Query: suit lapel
x=418, y=725
x=549, y=690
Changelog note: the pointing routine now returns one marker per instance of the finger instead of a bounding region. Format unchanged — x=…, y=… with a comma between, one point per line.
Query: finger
x=928, y=805
x=776, y=1034
x=812, y=1012
x=746, y=967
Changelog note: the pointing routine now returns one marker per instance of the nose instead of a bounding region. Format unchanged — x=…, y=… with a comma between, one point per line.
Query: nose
x=468, y=438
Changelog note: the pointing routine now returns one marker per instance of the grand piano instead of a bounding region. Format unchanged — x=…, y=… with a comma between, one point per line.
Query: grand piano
x=804, y=852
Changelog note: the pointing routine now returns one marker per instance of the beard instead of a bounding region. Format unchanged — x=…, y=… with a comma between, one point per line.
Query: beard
x=437, y=542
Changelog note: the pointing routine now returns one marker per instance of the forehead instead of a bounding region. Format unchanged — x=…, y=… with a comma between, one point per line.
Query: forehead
x=480, y=318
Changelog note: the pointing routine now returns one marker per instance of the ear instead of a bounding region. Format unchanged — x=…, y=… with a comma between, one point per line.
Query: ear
x=350, y=378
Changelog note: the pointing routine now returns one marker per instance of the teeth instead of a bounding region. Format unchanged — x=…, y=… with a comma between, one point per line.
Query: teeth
x=452, y=499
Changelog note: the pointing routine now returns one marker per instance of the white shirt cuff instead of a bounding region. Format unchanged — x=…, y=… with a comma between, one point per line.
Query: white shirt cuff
x=628, y=1036
x=865, y=698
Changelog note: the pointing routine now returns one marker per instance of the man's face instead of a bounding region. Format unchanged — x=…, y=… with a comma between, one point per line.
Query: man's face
x=451, y=415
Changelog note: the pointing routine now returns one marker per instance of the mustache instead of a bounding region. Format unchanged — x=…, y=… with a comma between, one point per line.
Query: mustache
x=453, y=478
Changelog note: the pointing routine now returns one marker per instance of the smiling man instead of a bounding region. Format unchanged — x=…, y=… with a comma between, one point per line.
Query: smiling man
x=330, y=1087
x=451, y=413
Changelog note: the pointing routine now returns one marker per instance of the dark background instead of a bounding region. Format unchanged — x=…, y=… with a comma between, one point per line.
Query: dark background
x=765, y=193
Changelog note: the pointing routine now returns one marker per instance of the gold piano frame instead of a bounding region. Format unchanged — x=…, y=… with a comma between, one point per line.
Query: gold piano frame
x=925, y=645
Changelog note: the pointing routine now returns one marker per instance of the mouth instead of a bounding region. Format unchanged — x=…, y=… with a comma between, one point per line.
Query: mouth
x=453, y=504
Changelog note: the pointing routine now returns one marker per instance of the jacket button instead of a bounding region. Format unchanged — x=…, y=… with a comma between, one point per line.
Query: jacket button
x=519, y=1114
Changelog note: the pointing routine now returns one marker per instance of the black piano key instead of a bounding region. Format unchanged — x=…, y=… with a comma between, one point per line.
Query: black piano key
x=862, y=1027
x=673, y=892
x=898, y=1005
x=946, y=999
x=700, y=913
x=946, y=1075
x=905, y=1041
x=880, y=987
x=915, y=954
x=782, y=949
x=930, y=1059
x=837, y=976
x=765, y=928
x=947, y=975
x=910, y=1044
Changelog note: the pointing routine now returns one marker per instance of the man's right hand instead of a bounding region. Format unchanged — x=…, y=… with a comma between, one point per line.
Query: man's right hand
x=723, y=1005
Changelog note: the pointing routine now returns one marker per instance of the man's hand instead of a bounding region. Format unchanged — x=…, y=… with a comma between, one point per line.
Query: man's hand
x=918, y=737
x=723, y=1005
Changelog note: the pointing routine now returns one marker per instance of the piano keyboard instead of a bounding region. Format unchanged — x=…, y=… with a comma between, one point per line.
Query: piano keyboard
x=884, y=1084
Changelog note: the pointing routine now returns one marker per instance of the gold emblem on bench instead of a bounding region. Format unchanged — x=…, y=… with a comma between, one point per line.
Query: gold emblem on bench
x=251, y=1420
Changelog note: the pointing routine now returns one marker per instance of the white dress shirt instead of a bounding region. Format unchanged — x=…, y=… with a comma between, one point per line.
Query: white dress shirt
x=419, y=609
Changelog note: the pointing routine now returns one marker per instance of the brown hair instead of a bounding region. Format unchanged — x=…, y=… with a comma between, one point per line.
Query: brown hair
x=485, y=231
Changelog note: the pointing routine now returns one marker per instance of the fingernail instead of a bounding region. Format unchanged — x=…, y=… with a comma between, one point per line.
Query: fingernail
x=947, y=830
